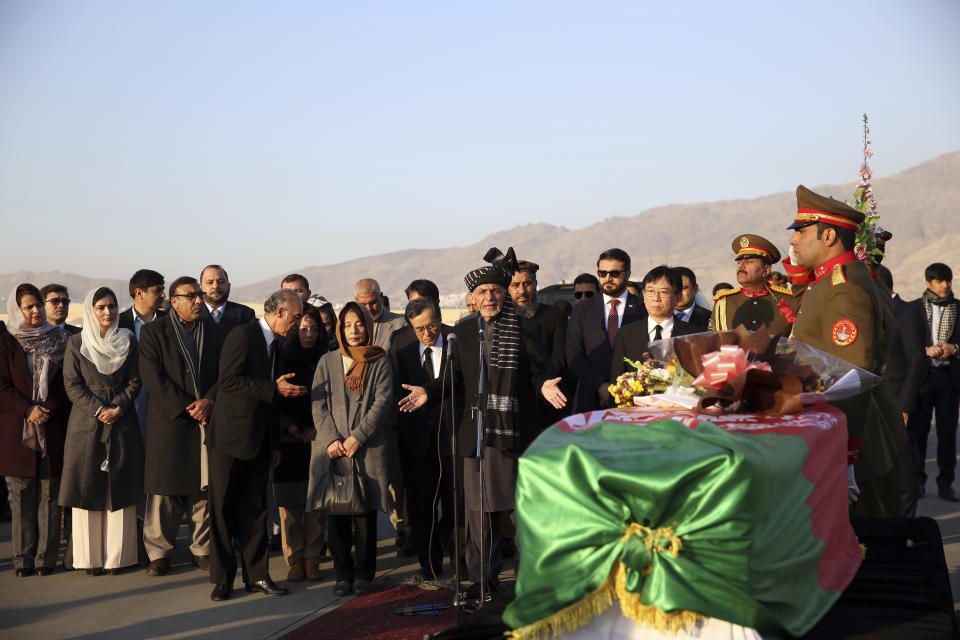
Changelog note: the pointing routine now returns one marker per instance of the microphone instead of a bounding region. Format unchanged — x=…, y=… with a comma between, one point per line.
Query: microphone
x=451, y=345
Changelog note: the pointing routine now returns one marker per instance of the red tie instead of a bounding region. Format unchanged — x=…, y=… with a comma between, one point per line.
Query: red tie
x=612, y=321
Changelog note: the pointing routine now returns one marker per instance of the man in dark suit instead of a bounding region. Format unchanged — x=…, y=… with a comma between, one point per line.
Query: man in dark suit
x=940, y=392
x=516, y=366
x=687, y=309
x=179, y=365
x=661, y=292
x=906, y=369
x=146, y=289
x=424, y=440
x=241, y=442
x=550, y=325
x=56, y=300
x=216, y=304
x=593, y=329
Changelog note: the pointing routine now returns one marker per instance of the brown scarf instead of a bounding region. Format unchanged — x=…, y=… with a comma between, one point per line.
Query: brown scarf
x=361, y=355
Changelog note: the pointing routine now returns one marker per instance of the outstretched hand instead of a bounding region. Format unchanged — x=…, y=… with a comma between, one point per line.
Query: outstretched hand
x=416, y=399
x=551, y=392
x=288, y=390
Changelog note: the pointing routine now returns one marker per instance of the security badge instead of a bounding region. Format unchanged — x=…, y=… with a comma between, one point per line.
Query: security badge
x=844, y=332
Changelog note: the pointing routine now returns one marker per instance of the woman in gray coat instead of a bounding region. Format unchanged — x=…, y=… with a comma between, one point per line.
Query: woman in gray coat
x=352, y=403
x=103, y=461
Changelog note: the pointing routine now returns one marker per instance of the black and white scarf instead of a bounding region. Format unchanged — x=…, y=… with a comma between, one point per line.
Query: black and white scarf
x=502, y=404
x=948, y=318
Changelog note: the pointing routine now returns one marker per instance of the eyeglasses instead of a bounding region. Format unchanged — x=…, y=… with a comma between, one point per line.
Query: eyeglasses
x=433, y=326
x=613, y=274
x=581, y=294
x=658, y=293
x=189, y=296
x=58, y=301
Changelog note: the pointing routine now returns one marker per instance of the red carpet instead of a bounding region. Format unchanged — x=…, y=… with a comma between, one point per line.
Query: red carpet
x=372, y=616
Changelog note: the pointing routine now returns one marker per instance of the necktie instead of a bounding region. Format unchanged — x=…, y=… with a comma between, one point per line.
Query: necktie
x=658, y=332
x=428, y=363
x=612, y=321
x=216, y=315
x=272, y=350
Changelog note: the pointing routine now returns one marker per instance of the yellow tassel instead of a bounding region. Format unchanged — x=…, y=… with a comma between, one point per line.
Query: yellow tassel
x=578, y=614
x=569, y=618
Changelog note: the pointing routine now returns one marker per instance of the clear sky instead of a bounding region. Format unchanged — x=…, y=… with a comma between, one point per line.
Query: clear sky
x=273, y=135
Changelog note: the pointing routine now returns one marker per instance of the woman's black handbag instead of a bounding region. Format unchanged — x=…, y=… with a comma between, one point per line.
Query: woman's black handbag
x=342, y=489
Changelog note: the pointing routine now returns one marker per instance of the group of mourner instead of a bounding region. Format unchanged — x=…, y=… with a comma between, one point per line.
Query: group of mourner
x=117, y=430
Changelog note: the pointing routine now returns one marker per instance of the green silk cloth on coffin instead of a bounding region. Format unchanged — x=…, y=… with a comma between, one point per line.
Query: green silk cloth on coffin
x=735, y=500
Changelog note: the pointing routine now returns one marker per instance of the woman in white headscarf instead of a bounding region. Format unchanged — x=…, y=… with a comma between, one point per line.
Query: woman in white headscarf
x=33, y=417
x=103, y=465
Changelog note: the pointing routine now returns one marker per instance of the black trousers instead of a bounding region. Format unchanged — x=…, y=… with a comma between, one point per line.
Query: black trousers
x=344, y=532
x=431, y=532
x=238, y=509
x=937, y=397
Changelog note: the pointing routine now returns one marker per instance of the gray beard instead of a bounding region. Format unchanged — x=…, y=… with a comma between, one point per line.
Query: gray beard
x=527, y=310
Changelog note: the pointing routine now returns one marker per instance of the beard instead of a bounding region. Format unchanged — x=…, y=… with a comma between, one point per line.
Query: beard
x=528, y=310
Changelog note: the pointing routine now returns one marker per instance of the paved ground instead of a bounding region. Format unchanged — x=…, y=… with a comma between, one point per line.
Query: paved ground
x=133, y=605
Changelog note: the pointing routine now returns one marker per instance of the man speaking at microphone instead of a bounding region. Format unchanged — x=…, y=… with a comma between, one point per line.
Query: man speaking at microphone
x=516, y=370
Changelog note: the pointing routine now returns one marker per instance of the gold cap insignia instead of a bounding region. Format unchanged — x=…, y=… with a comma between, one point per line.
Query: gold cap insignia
x=744, y=242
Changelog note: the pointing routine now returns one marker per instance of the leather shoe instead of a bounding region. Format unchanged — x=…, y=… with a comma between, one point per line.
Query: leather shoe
x=158, y=567
x=23, y=572
x=361, y=587
x=342, y=588
x=313, y=570
x=202, y=562
x=267, y=587
x=221, y=592
x=296, y=572
x=947, y=494
x=44, y=571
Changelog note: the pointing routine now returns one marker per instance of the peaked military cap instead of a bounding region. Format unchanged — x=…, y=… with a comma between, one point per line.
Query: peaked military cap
x=748, y=245
x=813, y=208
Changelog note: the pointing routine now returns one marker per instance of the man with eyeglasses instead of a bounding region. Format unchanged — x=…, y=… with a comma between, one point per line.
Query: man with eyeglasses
x=423, y=434
x=585, y=286
x=661, y=293
x=56, y=300
x=593, y=329
x=179, y=365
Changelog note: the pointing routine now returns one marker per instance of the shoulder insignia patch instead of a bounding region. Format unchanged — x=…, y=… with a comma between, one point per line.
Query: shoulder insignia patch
x=844, y=332
x=837, y=277
x=723, y=293
x=779, y=289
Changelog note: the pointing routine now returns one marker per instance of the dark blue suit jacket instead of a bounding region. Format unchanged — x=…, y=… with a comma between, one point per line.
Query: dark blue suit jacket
x=589, y=354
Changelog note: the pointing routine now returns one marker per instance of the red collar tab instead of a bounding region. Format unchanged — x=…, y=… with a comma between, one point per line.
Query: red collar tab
x=828, y=266
x=755, y=294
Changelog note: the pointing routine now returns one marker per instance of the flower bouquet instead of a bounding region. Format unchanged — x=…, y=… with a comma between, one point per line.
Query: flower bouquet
x=743, y=371
x=651, y=378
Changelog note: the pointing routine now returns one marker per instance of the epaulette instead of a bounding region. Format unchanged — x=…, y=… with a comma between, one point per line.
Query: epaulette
x=723, y=293
x=779, y=289
x=837, y=277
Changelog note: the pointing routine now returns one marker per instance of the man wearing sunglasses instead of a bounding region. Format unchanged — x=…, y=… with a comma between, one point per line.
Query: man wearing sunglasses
x=593, y=329
x=57, y=302
x=585, y=286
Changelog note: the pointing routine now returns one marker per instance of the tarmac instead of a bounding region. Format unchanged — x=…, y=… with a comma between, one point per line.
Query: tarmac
x=72, y=604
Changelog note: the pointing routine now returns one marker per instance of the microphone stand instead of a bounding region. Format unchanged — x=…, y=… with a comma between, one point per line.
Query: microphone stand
x=478, y=465
x=451, y=356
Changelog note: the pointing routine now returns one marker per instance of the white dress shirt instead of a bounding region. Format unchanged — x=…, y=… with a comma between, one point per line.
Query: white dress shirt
x=620, y=307
x=666, y=328
x=436, y=351
x=684, y=315
x=267, y=335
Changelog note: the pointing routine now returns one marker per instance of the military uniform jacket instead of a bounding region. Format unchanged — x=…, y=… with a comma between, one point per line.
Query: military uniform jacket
x=844, y=313
x=733, y=307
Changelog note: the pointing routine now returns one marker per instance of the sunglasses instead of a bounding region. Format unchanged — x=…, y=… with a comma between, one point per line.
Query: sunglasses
x=581, y=294
x=613, y=274
x=190, y=296
x=58, y=301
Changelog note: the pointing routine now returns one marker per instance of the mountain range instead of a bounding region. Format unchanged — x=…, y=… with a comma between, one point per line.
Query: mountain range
x=918, y=205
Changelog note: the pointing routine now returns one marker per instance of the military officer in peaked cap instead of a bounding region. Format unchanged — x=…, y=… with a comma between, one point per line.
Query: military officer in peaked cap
x=754, y=303
x=843, y=312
